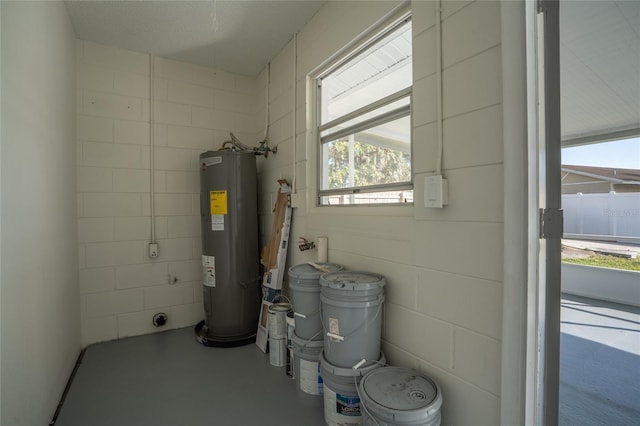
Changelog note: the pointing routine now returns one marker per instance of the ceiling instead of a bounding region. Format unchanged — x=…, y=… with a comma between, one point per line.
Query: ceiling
x=236, y=36
x=599, y=47
x=599, y=70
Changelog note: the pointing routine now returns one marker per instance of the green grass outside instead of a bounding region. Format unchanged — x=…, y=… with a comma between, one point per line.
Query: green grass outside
x=604, y=261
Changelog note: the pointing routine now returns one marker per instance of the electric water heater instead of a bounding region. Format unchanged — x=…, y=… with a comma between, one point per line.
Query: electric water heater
x=230, y=254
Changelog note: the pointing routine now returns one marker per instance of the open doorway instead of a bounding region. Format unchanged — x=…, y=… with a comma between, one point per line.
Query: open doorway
x=600, y=305
x=599, y=103
x=600, y=185
x=533, y=221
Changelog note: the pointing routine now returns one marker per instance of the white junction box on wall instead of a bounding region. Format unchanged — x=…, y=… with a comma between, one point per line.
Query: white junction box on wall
x=436, y=191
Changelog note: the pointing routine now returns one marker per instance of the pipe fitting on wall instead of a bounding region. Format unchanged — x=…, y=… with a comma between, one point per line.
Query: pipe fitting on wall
x=160, y=319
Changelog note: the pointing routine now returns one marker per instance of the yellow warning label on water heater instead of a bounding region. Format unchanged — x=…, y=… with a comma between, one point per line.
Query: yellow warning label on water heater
x=218, y=202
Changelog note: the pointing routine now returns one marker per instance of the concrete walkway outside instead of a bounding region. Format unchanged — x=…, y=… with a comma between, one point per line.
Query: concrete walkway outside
x=599, y=363
x=627, y=250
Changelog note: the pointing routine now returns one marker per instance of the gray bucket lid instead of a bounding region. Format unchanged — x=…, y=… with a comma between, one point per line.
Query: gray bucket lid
x=299, y=342
x=400, y=393
x=306, y=271
x=350, y=372
x=352, y=280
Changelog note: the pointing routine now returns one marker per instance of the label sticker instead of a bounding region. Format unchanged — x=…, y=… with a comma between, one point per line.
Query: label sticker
x=310, y=379
x=341, y=409
x=218, y=202
x=347, y=407
x=209, y=271
x=334, y=327
x=217, y=222
x=210, y=161
x=330, y=414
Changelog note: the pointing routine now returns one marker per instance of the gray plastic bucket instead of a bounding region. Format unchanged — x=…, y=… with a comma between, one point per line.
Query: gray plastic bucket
x=341, y=400
x=307, y=368
x=304, y=287
x=351, y=305
x=396, y=396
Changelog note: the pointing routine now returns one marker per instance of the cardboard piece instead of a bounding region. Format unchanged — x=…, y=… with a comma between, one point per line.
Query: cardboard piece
x=274, y=256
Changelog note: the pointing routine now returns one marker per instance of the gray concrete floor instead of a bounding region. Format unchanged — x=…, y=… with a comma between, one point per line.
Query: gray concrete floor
x=599, y=363
x=169, y=379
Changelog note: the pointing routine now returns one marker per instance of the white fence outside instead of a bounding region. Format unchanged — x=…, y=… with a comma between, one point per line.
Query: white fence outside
x=612, y=214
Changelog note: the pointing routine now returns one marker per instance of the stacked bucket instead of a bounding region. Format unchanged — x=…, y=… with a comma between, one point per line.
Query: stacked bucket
x=337, y=356
x=397, y=396
x=307, y=340
x=351, y=305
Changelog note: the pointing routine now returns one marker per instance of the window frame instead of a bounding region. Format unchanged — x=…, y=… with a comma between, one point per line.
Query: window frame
x=402, y=111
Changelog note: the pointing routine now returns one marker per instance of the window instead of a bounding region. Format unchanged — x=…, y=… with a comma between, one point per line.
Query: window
x=364, y=117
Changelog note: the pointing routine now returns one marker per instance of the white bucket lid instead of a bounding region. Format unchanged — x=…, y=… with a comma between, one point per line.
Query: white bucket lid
x=401, y=395
x=307, y=272
x=352, y=280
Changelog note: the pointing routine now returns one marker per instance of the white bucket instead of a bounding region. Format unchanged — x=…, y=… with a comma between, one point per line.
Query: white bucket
x=341, y=400
x=351, y=305
x=304, y=287
x=278, y=320
x=307, y=368
x=396, y=396
x=277, y=352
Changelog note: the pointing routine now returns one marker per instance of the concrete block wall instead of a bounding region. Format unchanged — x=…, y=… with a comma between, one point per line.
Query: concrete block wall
x=194, y=109
x=443, y=312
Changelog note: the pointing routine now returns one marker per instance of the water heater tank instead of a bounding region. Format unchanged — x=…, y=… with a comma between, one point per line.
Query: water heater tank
x=230, y=253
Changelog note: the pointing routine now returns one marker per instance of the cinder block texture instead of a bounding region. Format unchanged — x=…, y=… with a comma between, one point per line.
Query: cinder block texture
x=194, y=109
x=443, y=309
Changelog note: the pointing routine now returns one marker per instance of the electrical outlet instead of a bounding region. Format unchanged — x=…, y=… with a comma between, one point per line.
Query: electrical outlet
x=153, y=250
